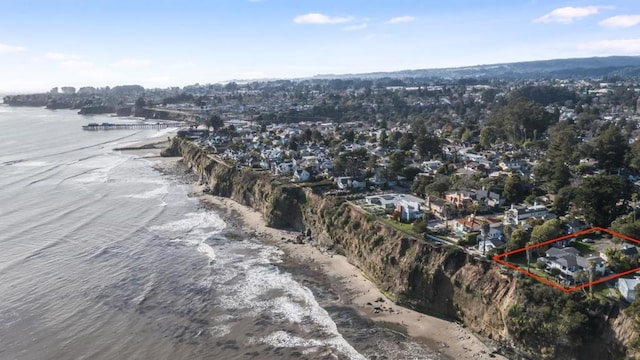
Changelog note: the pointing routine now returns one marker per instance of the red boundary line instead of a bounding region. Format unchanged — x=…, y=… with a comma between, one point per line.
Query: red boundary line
x=498, y=259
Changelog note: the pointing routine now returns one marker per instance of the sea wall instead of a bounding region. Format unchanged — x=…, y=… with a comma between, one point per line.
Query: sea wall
x=436, y=279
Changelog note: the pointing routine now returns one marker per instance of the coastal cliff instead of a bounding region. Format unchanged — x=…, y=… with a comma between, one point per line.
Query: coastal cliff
x=528, y=319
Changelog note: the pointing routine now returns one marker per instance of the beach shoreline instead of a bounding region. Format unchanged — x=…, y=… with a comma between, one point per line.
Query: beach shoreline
x=449, y=339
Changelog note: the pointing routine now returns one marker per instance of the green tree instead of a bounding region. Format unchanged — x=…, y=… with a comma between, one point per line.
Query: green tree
x=397, y=161
x=518, y=239
x=519, y=120
x=215, y=121
x=618, y=261
x=514, y=189
x=611, y=149
x=488, y=136
x=634, y=156
x=554, y=168
x=548, y=230
x=406, y=142
x=603, y=198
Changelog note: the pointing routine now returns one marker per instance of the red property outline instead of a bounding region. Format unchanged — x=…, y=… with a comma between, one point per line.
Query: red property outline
x=498, y=259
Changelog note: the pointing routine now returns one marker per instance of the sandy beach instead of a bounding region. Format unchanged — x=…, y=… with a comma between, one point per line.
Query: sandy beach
x=447, y=338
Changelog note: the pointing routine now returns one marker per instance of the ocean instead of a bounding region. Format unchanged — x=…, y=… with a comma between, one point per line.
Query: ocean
x=104, y=257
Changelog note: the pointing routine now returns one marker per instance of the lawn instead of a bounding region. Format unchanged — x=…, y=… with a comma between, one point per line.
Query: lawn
x=520, y=260
x=407, y=228
x=584, y=248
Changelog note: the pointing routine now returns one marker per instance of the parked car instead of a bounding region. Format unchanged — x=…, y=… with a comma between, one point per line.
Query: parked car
x=587, y=240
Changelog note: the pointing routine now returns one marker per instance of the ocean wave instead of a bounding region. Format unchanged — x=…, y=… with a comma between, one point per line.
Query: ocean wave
x=253, y=285
x=191, y=221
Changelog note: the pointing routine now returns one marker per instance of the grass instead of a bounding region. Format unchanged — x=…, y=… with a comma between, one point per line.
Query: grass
x=521, y=261
x=584, y=248
x=406, y=228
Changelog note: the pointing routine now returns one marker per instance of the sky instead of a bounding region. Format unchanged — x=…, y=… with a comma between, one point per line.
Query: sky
x=162, y=43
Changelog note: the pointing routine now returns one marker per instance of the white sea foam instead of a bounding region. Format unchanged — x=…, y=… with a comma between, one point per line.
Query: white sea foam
x=248, y=284
x=151, y=194
x=220, y=330
x=31, y=164
x=192, y=221
x=207, y=250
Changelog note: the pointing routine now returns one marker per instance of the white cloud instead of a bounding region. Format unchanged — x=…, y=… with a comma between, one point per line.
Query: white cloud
x=401, y=19
x=567, y=15
x=131, y=62
x=356, y=27
x=7, y=49
x=61, y=56
x=617, y=47
x=621, y=21
x=377, y=37
x=76, y=65
x=321, y=19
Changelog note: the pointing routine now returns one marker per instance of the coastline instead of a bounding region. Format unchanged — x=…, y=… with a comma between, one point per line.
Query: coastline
x=449, y=339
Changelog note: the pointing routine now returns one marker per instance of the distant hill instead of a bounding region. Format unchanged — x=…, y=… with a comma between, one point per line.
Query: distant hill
x=622, y=66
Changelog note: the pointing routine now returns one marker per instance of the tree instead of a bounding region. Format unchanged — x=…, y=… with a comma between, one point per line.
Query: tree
x=488, y=136
x=618, y=261
x=215, y=122
x=554, y=168
x=611, y=149
x=603, y=198
x=550, y=229
x=519, y=120
x=514, y=189
x=406, y=142
x=518, y=239
x=627, y=225
x=634, y=156
x=140, y=102
x=562, y=201
x=397, y=161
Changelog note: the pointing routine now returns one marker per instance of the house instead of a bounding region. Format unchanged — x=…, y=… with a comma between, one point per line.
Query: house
x=629, y=251
x=301, y=176
x=569, y=261
x=462, y=198
x=489, y=198
x=409, y=207
x=409, y=211
x=440, y=208
x=488, y=244
x=627, y=288
x=488, y=227
x=518, y=215
x=575, y=226
x=348, y=182
x=387, y=201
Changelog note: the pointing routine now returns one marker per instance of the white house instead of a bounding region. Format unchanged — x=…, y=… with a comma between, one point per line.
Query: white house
x=347, y=182
x=569, y=261
x=627, y=288
x=301, y=176
x=519, y=214
x=487, y=244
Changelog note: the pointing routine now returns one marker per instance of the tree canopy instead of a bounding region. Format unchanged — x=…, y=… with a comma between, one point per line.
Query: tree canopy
x=520, y=120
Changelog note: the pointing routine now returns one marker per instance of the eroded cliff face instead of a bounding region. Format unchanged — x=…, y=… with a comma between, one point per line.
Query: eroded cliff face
x=436, y=279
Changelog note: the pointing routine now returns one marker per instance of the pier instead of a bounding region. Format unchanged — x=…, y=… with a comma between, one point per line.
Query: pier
x=109, y=126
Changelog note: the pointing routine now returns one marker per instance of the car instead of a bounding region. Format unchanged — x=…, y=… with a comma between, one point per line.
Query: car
x=587, y=240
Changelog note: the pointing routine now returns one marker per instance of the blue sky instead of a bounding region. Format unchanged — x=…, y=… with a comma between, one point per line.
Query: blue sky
x=159, y=43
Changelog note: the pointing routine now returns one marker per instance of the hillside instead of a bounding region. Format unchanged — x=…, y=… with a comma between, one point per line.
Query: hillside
x=624, y=66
